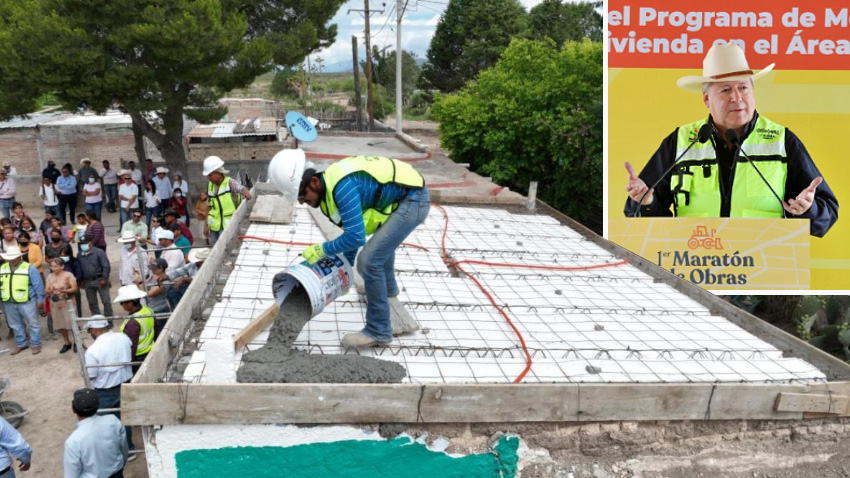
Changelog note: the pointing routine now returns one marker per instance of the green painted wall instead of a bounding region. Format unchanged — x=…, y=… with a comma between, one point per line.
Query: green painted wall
x=349, y=458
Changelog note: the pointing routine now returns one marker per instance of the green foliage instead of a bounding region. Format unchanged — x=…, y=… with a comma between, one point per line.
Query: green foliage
x=383, y=104
x=384, y=73
x=563, y=21
x=535, y=116
x=159, y=60
x=283, y=84
x=345, y=85
x=469, y=38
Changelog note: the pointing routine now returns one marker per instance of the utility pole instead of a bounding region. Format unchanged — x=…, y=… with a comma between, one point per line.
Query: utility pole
x=366, y=14
x=357, y=105
x=399, y=57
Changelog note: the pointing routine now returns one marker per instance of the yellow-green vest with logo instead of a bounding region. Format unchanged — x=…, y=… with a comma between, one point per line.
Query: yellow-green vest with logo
x=222, y=204
x=695, y=183
x=384, y=170
x=146, y=320
x=15, y=285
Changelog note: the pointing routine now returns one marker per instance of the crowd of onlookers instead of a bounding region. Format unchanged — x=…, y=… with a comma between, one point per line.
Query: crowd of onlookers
x=49, y=257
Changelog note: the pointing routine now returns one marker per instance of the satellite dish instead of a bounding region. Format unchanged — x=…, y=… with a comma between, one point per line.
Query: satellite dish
x=301, y=127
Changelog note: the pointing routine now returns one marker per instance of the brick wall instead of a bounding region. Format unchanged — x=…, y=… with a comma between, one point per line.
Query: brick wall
x=235, y=151
x=70, y=143
x=244, y=108
x=19, y=147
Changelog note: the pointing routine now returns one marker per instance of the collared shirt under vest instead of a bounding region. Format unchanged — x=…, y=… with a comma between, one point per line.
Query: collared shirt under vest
x=144, y=317
x=223, y=203
x=699, y=191
x=384, y=170
x=15, y=284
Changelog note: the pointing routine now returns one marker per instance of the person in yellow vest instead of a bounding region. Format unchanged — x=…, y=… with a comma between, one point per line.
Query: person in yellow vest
x=139, y=328
x=714, y=179
x=22, y=292
x=224, y=195
x=364, y=195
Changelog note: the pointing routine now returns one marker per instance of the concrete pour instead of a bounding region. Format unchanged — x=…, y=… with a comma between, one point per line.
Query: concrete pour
x=278, y=362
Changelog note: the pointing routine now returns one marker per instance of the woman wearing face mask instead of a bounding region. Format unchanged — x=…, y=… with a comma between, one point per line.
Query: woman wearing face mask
x=55, y=245
x=93, y=195
x=179, y=183
x=32, y=254
x=179, y=203
x=60, y=286
x=72, y=266
x=35, y=235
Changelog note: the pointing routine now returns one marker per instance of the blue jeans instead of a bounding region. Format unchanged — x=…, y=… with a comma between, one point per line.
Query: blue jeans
x=22, y=317
x=10, y=473
x=94, y=206
x=53, y=209
x=111, y=398
x=376, y=263
x=111, y=195
x=6, y=207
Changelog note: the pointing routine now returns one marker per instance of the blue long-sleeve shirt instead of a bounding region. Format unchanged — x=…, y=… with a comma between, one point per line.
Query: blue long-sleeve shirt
x=11, y=442
x=36, y=285
x=66, y=185
x=354, y=194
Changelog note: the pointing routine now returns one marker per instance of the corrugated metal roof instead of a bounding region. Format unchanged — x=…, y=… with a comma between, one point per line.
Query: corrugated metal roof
x=31, y=121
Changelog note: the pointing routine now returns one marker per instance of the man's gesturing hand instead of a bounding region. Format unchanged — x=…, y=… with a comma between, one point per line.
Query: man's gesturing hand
x=804, y=200
x=636, y=187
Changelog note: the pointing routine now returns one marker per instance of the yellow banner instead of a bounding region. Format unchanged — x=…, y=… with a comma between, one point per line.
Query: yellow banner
x=722, y=254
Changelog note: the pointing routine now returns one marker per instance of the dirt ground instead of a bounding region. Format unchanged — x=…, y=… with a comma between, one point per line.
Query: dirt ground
x=44, y=384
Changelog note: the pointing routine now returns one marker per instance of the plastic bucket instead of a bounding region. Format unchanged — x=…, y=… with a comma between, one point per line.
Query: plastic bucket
x=323, y=281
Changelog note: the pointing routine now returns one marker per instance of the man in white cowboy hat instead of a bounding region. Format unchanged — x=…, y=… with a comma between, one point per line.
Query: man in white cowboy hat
x=140, y=327
x=130, y=261
x=10, y=170
x=163, y=188
x=224, y=195
x=22, y=292
x=713, y=179
x=181, y=277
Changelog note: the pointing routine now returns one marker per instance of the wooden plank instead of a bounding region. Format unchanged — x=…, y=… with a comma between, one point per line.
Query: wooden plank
x=257, y=325
x=171, y=404
x=811, y=402
x=164, y=404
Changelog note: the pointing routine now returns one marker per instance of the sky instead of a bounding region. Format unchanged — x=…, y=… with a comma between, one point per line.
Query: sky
x=418, y=26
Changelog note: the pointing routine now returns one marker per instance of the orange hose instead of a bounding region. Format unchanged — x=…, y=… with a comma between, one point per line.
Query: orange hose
x=535, y=266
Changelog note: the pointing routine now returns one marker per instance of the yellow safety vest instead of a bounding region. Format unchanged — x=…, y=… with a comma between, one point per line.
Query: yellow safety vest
x=15, y=285
x=146, y=320
x=383, y=170
x=695, y=183
x=222, y=204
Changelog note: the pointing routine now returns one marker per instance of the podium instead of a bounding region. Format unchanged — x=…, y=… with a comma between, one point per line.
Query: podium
x=722, y=254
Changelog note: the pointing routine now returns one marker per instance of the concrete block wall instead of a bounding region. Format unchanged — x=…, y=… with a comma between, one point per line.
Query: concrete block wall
x=70, y=143
x=236, y=151
x=239, y=108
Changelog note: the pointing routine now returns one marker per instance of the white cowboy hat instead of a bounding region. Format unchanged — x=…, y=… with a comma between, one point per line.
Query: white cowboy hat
x=85, y=160
x=722, y=63
x=129, y=292
x=127, y=236
x=198, y=255
x=12, y=253
x=97, y=322
x=166, y=234
x=161, y=170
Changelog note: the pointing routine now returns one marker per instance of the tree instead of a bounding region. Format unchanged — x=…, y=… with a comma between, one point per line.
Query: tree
x=284, y=82
x=562, y=21
x=535, y=116
x=385, y=71
x=158, y=60
x=469, y=38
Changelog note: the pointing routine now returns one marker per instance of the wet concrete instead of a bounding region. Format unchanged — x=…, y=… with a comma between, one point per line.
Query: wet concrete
x=278, y=362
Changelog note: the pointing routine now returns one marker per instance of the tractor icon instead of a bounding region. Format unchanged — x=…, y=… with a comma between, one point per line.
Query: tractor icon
x=701, y=238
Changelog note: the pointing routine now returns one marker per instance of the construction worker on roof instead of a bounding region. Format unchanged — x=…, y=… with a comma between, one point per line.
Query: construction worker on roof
x=224, y=194
x=364, y=195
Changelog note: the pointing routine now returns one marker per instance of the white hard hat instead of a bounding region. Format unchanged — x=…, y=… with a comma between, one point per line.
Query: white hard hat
x=97, y=322
x=286, y=171
x=129, y=292
x=211, y=164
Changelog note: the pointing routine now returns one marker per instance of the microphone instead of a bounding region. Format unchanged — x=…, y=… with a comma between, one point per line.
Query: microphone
x=734, y=139
x=702, y=137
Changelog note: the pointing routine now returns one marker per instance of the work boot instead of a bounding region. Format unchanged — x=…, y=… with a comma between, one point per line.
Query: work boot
x=17, y=350
x=36, y=350
x=65, y=348
x=359, y=339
